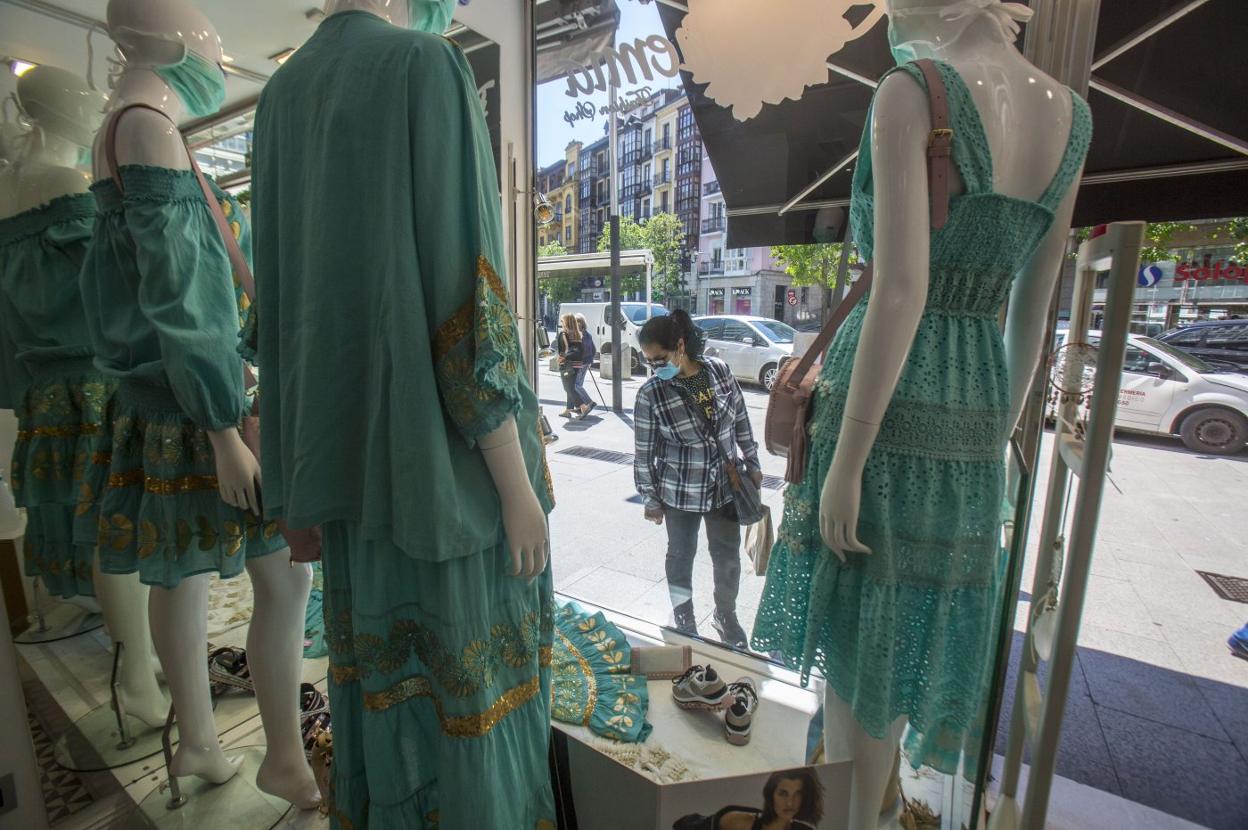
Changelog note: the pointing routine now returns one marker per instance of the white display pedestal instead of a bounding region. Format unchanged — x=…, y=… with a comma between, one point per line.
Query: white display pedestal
x=607, y=793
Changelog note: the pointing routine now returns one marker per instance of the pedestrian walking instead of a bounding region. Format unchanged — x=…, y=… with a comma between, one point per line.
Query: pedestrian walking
x=689, y=410
x=588, y=351
x=571, y=361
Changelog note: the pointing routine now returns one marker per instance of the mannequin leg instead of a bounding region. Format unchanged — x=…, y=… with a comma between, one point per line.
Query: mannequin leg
x=179, y=619
x=275, y=654
x=123, y=599
x=844, y=739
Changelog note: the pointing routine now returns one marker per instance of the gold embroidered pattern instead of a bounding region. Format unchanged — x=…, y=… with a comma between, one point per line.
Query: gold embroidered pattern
x=67, y=431
x=119, y=533
x=162, y=486
x=456, y=726
x=130, y=478
x=568, y=708
x=550, y=482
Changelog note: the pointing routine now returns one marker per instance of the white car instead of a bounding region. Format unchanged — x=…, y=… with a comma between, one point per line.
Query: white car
x=1166, y=391
x=598, y=316
x=753, y=347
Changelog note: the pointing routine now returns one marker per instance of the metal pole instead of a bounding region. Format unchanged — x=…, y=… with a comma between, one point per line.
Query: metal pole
x=649, y=281
x=617, y=375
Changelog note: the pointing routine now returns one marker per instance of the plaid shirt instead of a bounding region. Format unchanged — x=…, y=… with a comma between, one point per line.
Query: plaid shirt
x=676, y=463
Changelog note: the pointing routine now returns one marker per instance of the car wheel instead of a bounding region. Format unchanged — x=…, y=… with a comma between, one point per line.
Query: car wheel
x=1216, y=431
x=768, y=376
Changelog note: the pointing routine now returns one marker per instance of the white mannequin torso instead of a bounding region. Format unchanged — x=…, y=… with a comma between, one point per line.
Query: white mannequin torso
x=46, y=174
x=143, y=136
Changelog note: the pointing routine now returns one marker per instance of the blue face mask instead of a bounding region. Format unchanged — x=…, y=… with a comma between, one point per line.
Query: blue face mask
x=198, y=82
x=431, y=16
x=667, y=371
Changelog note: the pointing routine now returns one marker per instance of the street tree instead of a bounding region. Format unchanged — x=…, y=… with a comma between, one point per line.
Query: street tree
x=815, y=264
x=561, y=287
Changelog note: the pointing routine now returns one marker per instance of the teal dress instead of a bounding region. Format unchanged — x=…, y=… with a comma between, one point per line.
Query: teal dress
x=594, y=685
x=47, y=377
x=165, y=311
x=388, y=345
x=910, y=629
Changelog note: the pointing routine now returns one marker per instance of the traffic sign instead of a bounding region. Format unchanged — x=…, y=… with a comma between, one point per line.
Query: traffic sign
x=792, y=297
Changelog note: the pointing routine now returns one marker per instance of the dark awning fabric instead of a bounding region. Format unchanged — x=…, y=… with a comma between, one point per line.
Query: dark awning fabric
x=1192, y=69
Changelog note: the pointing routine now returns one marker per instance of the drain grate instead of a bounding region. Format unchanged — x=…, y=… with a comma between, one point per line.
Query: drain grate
x=1234, y=588
x=625, y=459
x=609, y=456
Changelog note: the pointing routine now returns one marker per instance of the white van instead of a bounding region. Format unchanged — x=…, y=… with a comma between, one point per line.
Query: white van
x=597, y=316
x=1166, y=391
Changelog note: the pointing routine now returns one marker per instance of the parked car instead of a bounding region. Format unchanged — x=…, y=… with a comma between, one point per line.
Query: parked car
x=1220, y=342
x=597, y=315
x=753, y=347
x=1166, y=391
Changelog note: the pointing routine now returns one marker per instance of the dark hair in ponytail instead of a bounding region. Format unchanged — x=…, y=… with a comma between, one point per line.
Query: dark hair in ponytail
x=667, y=331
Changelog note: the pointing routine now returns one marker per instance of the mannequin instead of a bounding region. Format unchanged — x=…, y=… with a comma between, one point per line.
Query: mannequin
x=916, y=432
x=437, y=588
x=46, y=181
x=187, y=384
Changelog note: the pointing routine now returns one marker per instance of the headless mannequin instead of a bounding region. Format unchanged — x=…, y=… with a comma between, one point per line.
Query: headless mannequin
x=1027, y=117
x=179, y=615
x=46, y=170
x=523, y=518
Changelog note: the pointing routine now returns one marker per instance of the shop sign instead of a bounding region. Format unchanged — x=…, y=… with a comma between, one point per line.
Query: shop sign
x=1221, y=271
x=742, y=292
x=715, y=293
x=615, y=67
x=792, y=297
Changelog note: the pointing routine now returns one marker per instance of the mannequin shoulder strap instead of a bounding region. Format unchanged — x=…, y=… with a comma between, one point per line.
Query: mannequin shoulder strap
x=238, y=262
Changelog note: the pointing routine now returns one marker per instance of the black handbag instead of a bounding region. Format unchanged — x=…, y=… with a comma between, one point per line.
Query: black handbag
x=747, y=500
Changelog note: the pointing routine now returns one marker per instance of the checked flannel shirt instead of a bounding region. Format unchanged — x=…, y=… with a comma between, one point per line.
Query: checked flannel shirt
x=676, y=464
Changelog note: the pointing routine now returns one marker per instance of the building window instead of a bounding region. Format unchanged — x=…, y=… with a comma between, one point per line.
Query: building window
x=645, y=208
x=567, y=204
x=663, y=204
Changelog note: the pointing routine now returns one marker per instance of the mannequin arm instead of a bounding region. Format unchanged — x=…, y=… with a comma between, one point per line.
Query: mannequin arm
x=523, y=518
x=1030, y=299
x=899, y=130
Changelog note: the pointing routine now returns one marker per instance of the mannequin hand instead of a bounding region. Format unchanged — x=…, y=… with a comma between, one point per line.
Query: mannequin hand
x=655, y=515
x=525, y=525
x=838, y=507
x=238, y=471
x=524, y=521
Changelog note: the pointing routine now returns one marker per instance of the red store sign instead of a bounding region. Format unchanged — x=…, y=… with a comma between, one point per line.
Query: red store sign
x=1220, y=271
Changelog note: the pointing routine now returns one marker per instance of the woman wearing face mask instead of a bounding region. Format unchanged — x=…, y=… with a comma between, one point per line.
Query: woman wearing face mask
x=687, y=415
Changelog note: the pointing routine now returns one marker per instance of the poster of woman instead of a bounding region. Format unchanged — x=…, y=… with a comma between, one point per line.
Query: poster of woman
x=791, y=799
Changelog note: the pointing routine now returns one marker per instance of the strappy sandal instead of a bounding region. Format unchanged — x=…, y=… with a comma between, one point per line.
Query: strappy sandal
x=313, y=716
x=228, y=671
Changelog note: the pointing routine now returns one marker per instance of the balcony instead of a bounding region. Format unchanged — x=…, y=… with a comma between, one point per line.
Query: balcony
x=663, y=144
x=710, y=269
x=662, y=179
x=710, y=188
x=715, y=224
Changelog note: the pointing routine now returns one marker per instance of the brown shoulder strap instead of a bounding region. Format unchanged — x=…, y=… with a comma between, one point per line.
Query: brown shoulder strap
x=939, y=157
x=939, y=143
x=237, y=261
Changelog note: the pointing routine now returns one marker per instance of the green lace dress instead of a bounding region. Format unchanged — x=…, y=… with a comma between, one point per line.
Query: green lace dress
x=165, y=311
x=46, y=375
x=909, y=629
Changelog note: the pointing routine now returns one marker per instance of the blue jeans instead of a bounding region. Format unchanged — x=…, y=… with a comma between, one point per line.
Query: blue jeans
x=723, y=535
x=578, y=385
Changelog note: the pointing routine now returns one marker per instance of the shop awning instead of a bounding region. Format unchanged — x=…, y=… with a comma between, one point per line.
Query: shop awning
x=592, y=265
x=1167, y=92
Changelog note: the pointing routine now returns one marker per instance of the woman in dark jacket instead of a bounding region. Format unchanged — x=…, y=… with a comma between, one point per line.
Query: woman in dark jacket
x=588, y=350
x=571, y=361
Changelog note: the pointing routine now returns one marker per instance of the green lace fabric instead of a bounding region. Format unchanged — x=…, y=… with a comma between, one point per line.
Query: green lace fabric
x=593, y=686
x=908, y=630
x=47, y=377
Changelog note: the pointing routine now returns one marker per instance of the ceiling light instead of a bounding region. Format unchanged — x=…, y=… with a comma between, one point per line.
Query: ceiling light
x=20, y=68
x=281, y=57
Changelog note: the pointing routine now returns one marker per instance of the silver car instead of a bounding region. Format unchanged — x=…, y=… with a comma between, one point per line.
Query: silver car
x=753, y=347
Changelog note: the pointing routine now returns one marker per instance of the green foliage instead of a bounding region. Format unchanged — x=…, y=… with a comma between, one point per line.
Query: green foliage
x=815, y=264
x=564, y=287
x=1237, y=231
x=663, y=235
x=1158, y=238
x=244, y=198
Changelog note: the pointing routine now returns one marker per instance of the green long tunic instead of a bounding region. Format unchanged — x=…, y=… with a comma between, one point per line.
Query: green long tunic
x=385, y=326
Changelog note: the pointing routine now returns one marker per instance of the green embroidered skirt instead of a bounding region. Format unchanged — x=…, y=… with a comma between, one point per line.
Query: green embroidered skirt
x=61, y=416
x=160, y=513
x=439, y=683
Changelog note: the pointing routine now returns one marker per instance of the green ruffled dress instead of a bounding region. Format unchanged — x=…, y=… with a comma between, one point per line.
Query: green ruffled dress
x=910, y=629
x=388, y=347
x=47, y=377
x=593, y=684
x=165, y=313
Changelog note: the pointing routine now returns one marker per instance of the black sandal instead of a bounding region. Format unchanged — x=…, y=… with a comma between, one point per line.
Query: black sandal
x=313, y=716
x=228, y=671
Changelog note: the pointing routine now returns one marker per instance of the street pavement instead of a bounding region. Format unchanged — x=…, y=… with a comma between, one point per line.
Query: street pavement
x=1158, y=709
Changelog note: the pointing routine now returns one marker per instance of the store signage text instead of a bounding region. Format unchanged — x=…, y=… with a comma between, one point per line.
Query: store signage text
x=585, y=111
x=715, y=292
x=1218, y=271
x=629, y=58
x=742, y=292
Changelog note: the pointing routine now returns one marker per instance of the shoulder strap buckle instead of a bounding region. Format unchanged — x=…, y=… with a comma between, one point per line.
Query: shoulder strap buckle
x=942, y=135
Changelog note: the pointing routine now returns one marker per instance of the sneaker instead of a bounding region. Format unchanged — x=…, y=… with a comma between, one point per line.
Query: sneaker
x=700, y=687
x=739, y=716
x=729, y=629
x=1239, y=642
x=686, y=622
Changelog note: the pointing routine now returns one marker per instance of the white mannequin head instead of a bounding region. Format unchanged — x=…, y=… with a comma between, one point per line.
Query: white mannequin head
x=927, y=28
x=174, y=40
x=422, y=15
x=62, y=113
